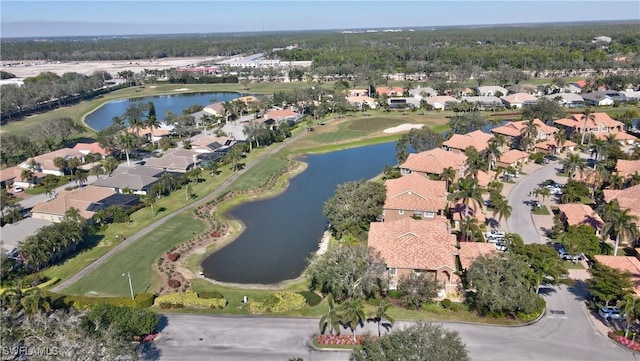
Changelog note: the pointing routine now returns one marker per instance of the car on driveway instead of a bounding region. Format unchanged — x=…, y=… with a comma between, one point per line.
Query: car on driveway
x=17, y=189
x=610, y=313
x=494, y=233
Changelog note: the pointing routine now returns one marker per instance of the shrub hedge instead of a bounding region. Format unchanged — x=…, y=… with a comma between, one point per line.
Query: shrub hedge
x=208, y=294
x=189, y=299
x=278, y=302
x=311, y=297
x=142, y=300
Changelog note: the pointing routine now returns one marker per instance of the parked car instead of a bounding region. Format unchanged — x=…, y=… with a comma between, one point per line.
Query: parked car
x=591, y=162
x=515, y=174
x=17, y=189
x=611, y=313
x=501, y=246
x=495, y=233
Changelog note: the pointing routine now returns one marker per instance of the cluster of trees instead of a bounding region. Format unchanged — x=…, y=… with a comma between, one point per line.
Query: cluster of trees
x=186, y=78
x=49, y=90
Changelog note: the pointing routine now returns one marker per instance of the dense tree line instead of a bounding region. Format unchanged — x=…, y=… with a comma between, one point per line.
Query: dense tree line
x=49, y=90
x=532, y=48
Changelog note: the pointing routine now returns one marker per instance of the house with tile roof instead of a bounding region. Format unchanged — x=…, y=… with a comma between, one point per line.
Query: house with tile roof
x=175, y=160
x=627, y=199
x=13, y=176
x=567, y=100
x=486, y=177
x=601, y=123
x=577, y=214
x=470, y=251
x=622, y=137
x=513, y=158
x=45, y=163
x=627, y=168
x=359, y=101
x=625, y=264
x=512, y=131
x=551, y=146
x=281, y=115
x=395, y=91
x=433, y=162
x=95, y=148
x=137, y=180
x=484, y=102
x=412, y=246
x=441, y=102
x=414, y=196
x=491, y=90
x=458, y=143
x=153, y=134
x=422, y=93
x=518, y=100
x=358, y=93
x=87, y=200
x=215, y=109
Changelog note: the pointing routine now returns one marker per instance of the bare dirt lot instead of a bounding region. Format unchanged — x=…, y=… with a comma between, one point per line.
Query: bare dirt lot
x=24, y=69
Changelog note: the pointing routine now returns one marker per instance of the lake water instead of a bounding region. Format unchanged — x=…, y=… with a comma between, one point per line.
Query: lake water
x=282, y=232
x=176, y=103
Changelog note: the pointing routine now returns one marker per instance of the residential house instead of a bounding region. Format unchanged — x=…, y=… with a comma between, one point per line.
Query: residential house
x=458, y=143
x=359, y=100
x=627, y=199
x=551, y=146
x=13, y=176
x=403, y=102
x=622, y=137
x=433, y=162
x=631, y=95
x=470, y=251
x=212, y=143
x=512, y=131
x=627, y=168
x=282, y=115
x=87, y=200
x=629, y=264
x=573, y=88
x=513, y=158
x=45, y=163
x=215, y=109
x=441, y=102
x=518, y=100
x=422, y=93
x=568, y=100
x=576, y=214
x=411, y=246
x=414, y=195
x=175, y=160
x=14, y=233
x=602, y=98
x=486, y=177
x=395, y=91
x=154, y=134
x=358, y=93
x=484, y=102
x=94, y=148
x=601, y=123
x=137, y=180
x=492, y=90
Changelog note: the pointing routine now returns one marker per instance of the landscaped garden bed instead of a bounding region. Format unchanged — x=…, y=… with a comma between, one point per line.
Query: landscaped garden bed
x=337, y=340
x=621, y=340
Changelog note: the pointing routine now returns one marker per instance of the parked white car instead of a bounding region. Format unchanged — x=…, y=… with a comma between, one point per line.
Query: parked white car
x=611, y=313
x=17, y=189
x=494, y=233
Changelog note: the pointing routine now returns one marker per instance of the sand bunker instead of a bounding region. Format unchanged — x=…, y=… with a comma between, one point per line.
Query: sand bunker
x=403, y=127
x=181, y=90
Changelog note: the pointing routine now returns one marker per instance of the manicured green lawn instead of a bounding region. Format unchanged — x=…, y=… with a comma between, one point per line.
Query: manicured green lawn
x=138, y=259
x=572, y=265
x=260, y=173
x=542, y=211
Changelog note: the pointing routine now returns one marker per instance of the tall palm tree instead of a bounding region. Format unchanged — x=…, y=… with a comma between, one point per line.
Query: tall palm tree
x=572, y=163
x=73, y=163
x=468, y=191
x=233, y=157
x=529, y=134
x=501, y=208
x=600, y=149
x=151, y=121
x=352, y=315
x=331, y=319
x=109, y=164
x=474, y=162
x=561, y=138
x=34, y=302
x=493, y=152
x=381, y=313
x=448, y=175
x=631, y=309
x=624, y=225
x=28, y=175
x=586, y=116
x=128, y=142
x=60, y=163
x=80, y=177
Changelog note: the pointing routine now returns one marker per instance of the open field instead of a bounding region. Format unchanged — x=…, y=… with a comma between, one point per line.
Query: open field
x=107, y=280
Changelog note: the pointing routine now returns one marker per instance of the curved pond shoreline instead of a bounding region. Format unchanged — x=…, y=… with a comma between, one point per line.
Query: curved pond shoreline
x=282, y=233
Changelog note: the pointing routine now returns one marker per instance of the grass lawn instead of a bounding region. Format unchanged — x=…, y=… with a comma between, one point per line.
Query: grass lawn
x=260, y=173
x=541, y=211
x=572, y=265
x=138, y=258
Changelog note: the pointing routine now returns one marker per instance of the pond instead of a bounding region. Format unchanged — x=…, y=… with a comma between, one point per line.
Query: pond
x=282, y=232
x=176, y=103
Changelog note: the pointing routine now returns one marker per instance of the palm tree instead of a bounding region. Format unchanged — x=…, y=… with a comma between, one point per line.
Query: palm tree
x=529, y=134
x=151, y=122
x=474, y=162
x=73, y=163
x=97, y=170
x=561, y=138
x=572, y=163
x=60, y=163
x=381, y=313
x=586, y=116
x=631, y=308
x=233, y=157
x=352, y=315
x=493, y=152
x=10, y=299
x=623, y=224
x=467, y=190
x=110, y=164
x=330, y=319
x=127, y=142
x=448, y=175
x=80, y=177
x=33, y=302
x=28, y=175
x=72, y=215
x=501, y=208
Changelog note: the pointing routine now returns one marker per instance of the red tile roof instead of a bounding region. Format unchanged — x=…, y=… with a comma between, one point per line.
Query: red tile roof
x=415, y=192
x=434, y=161
x=518, y=98
x=627, y=198
x=477, y=139
x=550, y=144
x=413, y=244
x=576, y=121
x=619, y=136
x=469, y=251
x=484, y=177
x=512, y=156
x=627, y=167
x=91, y=147
x=79, y=198
x=578, y=214
x=278, y=114
x=396, y=90
x=625, y=264
x=514, y=129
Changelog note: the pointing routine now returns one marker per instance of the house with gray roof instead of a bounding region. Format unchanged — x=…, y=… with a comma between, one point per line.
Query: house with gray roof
x=485, y=102
x=603, y=97
x=125, y=182
x=175, y=160
x=420, y=92
x=568, y=100
x=491, y=90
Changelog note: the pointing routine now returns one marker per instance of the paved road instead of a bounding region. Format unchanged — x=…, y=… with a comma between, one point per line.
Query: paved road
x=556, y=337
x=71, y=280
x=521, y=220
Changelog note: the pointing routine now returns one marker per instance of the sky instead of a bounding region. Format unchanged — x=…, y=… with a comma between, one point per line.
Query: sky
x=26, y=18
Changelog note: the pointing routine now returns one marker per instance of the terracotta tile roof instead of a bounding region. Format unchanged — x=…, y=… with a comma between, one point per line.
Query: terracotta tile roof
x=174, y=159
x=434, y=161
x=627, y=167
x=627, y=198
x=79, y=198
x=10, y=173
x=629, y=264
x=580, y=83
x=415, y=192
x=413, y=244
x=360, y=99
x=576, y=121
x=514, y=129
x=477, y=139
x=46, y=160
x=469, y=251
x=519, y=98
x=484, y=177
x=619, y=136
x=278, y=114
x=248, y=99
x=215, y=108
x=512, y=156
x=458, y=211
x=396, y=90
x=90, y=148
x=549, y=144
x=578, y=213
x=441, y=99
x=144, y=131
